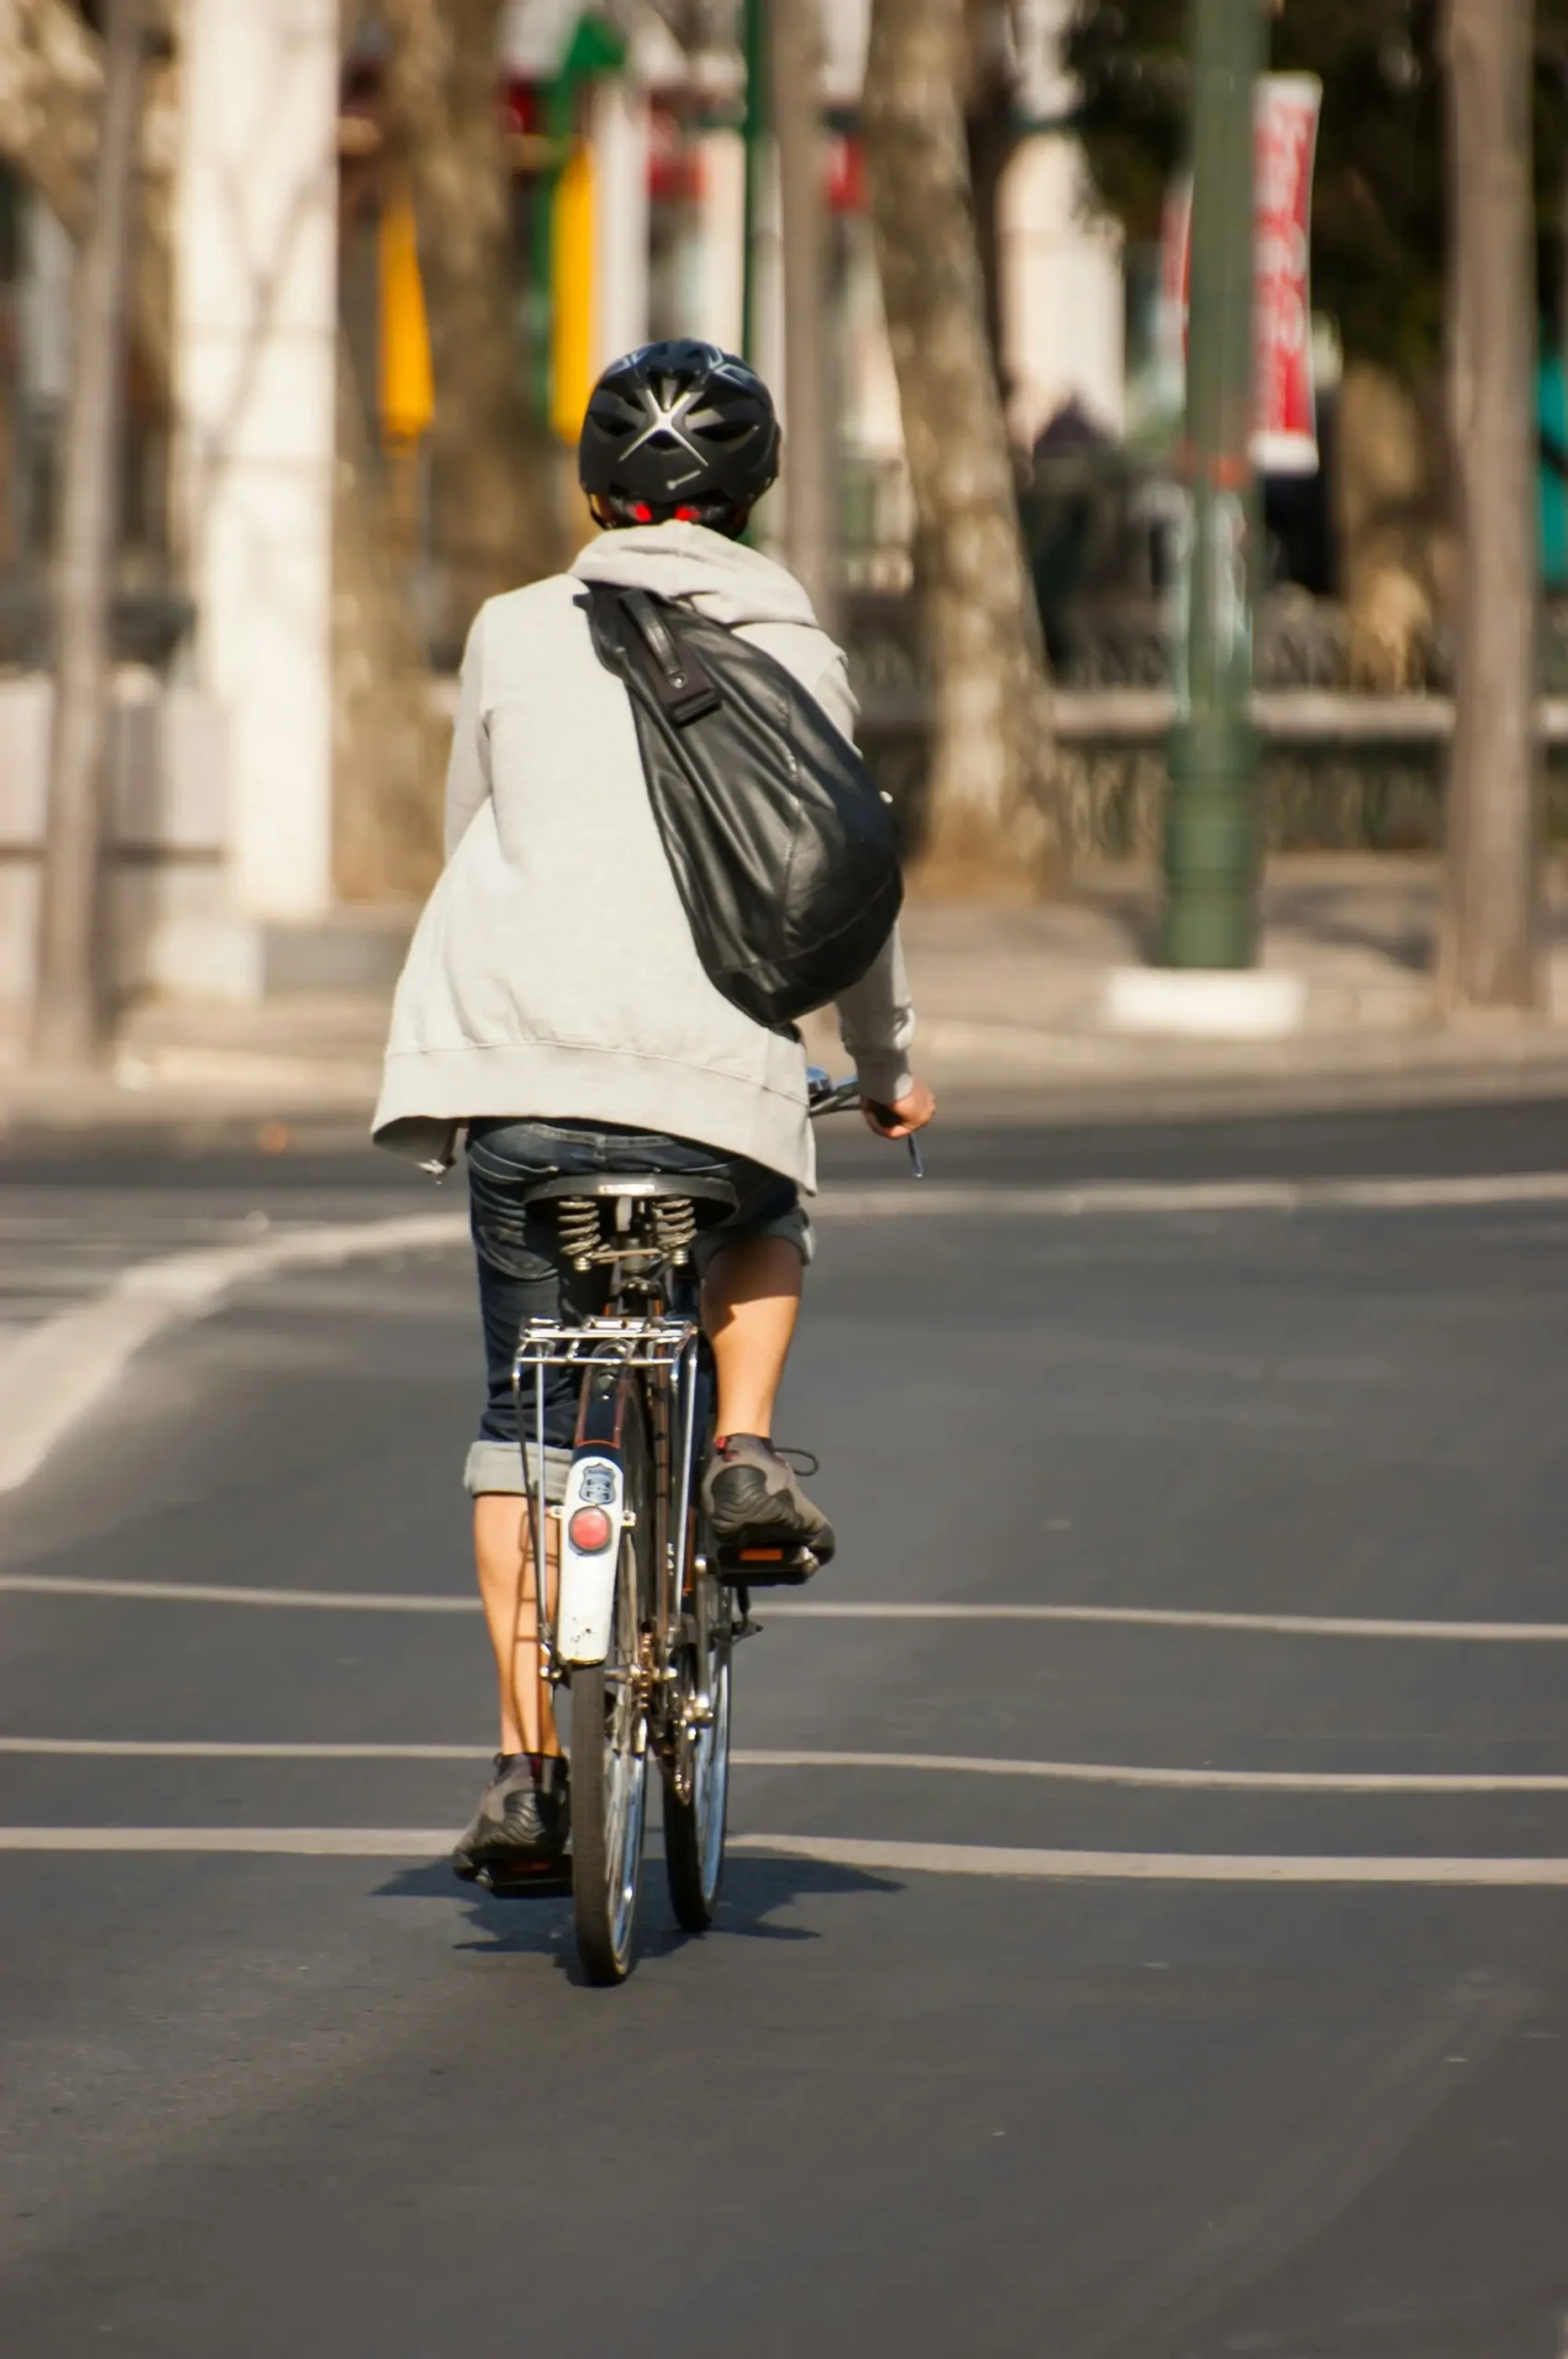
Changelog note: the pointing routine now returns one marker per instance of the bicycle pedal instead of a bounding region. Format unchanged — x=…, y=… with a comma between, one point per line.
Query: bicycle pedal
x=764, y=1567
x=546, y=1879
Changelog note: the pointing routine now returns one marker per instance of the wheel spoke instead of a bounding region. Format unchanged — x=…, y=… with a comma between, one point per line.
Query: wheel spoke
x=694, y=1810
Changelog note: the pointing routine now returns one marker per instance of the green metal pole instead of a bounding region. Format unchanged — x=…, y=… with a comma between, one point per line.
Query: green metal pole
x=755, y=35
x=1211, y=845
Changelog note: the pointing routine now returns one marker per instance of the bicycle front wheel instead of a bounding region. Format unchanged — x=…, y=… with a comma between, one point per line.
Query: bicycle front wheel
x=609, y=1754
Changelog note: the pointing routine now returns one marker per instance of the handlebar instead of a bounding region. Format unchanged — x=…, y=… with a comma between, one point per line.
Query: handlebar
x=831, y=1097
x=824, y=1096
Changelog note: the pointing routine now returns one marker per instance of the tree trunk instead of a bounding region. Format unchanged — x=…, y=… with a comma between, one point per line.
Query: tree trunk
x=795, y=63
x=1491, y=951
x=494, y=477
x=74, y=982
x=991, y=134
x=51, y=108
x=991, y=822
x=389, y=737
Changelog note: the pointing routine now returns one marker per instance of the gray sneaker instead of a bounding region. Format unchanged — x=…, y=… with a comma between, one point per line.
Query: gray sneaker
x=754, y=1500
x=519, y=1824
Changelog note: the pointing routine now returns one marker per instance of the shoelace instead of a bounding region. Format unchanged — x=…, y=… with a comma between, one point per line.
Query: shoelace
x=803, y=1462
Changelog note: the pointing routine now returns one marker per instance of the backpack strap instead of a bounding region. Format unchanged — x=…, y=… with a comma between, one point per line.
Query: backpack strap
x=681, y=681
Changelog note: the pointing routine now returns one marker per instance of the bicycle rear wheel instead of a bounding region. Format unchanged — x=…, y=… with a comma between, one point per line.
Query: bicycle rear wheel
x=609, y=1749
x=696, y=1790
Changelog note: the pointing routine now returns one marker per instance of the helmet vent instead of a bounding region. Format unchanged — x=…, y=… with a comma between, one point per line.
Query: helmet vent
x=680, y=423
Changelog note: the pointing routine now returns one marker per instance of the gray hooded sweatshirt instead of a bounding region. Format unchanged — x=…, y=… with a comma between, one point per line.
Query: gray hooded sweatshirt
x=552, y=972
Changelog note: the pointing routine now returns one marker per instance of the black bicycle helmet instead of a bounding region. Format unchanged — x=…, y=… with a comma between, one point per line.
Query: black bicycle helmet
x=680, y=429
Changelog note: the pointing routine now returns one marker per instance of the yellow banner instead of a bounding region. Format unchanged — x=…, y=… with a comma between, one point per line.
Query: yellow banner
x=408, y=383
x=571, y=334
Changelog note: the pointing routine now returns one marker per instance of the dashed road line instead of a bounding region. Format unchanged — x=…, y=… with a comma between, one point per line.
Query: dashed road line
x=56, y=1371
x=325, y=1601
x=1105, y=1772
x=1132, y=1199
x=1081, y=1773
x=1160, y=1617
x=306, y=1842
x=1152, y=1867
x=219, y=1749
x=1157, y=1618
x=844, y=1851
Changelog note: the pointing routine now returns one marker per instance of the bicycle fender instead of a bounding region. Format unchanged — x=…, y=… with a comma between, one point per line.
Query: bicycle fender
x=587, y=1599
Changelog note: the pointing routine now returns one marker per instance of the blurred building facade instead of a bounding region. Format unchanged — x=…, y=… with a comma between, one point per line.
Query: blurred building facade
x=676, y=264
x=629, y=136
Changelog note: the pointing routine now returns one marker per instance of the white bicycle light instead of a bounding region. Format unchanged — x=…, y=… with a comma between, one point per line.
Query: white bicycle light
x=592, y=1515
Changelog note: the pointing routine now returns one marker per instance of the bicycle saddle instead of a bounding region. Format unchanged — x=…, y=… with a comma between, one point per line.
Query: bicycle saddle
x=712, y=1197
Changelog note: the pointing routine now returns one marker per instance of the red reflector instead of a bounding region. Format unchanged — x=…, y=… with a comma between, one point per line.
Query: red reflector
x=762, y=1555
x=589, y=1531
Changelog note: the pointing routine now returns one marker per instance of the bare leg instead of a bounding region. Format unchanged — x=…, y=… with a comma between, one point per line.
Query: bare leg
x=750, y=1301
x=503, y=1554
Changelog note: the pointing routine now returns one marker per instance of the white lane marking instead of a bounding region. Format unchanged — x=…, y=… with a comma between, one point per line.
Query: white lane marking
x=52, y=1373
x=1158, y=1617
x=1135, y=1198
x=1107, y=1773
x=1078, y=1773
x=179, y=1749
x=330, y=1842
x=324, y=1601
x=1150, y=1867
x=849, y=1851
x=57, y=1370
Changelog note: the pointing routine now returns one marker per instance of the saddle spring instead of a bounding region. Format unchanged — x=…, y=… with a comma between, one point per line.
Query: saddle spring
x=579, y=1220
x=576, y=1218
x=675, y=1222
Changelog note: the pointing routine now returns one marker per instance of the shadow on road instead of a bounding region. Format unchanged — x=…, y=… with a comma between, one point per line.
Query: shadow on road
x=538, y=1923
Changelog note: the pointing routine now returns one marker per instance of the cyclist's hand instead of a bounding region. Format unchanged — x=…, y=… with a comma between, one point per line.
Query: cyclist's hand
x=911, y=1112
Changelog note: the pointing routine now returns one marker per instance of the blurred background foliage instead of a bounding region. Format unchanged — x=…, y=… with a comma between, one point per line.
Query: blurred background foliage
x=1378, y=242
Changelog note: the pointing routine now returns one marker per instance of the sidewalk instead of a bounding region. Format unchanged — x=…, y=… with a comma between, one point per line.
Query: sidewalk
x=1054, y=1001
x=1024, y=1009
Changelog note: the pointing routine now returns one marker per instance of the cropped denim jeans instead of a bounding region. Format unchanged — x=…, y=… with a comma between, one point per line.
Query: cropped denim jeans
x=523, y=1273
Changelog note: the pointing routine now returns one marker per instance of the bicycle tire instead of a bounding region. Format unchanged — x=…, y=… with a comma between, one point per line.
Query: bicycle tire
x=695, y=1824
x=609, y=1748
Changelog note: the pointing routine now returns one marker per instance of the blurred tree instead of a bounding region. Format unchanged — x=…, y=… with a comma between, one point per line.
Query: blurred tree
x=992, y=134
x=794, y=78
x=75, y=997
x=387, y=735
x=990, y=817
x=494, y=494
x=50, y=105
x=497, y=511
x=1378, y=252
x=1490, y=954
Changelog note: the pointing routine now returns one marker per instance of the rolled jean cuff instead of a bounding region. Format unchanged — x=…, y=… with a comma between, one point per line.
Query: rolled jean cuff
x=792, y=1226
x=497, y=1466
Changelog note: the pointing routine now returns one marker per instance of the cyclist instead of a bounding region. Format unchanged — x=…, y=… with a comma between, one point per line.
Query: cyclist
x=553, y=1005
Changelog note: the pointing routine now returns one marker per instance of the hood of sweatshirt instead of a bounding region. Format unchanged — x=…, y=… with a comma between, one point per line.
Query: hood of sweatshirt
x=722, y=578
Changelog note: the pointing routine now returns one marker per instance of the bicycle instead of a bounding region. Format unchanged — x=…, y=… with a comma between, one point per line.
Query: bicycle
x=646, y=1613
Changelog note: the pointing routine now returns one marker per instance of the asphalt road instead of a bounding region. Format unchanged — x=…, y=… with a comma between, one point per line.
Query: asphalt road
x=297, y=2104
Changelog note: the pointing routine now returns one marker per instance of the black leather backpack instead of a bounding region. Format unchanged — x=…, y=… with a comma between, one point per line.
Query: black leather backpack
x=782, y=849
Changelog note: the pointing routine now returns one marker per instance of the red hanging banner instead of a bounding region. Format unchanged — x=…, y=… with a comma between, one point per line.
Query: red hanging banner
x=1285, y=127
x=1285, y=118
